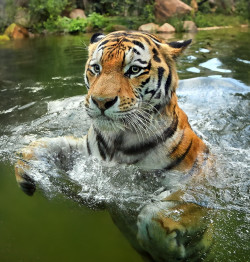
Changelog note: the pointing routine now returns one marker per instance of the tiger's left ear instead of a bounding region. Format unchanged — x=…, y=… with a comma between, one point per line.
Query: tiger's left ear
x=94, y=42
x=176, y=48
x=96, y=37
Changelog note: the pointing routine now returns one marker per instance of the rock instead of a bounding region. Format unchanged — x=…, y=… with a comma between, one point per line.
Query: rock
x=4, y=38
x=194, y=5
x=165, y=9
x=16, y=32
x=189, y=26
x=166, y=28
x=77, y=13
x=150, y=27
x=22, y=17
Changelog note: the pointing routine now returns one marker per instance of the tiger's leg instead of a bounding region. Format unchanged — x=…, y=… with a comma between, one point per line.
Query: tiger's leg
x=171, y=230
x=61, y=148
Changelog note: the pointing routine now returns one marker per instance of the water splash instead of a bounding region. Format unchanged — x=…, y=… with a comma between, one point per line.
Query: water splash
x=214, y=64
x=216, y=107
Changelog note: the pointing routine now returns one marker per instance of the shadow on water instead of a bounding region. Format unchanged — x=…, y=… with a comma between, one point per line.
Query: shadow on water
x=41, y=87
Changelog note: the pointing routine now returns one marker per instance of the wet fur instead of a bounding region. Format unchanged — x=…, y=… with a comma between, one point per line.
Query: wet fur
x=137, y=120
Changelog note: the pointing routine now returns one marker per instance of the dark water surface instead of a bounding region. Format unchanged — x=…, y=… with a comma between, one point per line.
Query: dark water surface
x=41, y=88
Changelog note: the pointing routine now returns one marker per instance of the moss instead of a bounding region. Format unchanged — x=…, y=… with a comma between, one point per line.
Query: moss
x=4, y=38
x=9, y=30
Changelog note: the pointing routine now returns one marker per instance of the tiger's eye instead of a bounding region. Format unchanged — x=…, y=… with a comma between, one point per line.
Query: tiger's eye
x=135, y=69
x=96, y=68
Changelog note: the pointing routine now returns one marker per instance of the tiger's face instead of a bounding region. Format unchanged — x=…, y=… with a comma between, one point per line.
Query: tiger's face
x=129, y=74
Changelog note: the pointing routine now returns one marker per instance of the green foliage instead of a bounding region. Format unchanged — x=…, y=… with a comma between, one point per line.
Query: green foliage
x=177, y=23
x=202, y=20
x=8, y=14
x=207, y=20
x=48, y=15
x=47, y=9
x=126, y=8
x=243, y=9
x=97, y=21
x=64, y=24
x=148, y=13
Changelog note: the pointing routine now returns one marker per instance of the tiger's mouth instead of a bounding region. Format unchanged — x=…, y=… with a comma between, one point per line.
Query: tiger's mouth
x=106, y=123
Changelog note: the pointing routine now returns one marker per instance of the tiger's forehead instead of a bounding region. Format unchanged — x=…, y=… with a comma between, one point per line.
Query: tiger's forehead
x=122, y=48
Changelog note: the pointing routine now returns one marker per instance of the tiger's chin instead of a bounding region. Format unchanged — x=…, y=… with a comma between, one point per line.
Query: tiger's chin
x=105, y=124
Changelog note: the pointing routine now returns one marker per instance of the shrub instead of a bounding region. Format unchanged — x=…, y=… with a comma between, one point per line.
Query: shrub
x=242, y=8
x=97, y=21
x=42, y=10
x=177, y=23
x=64, y=24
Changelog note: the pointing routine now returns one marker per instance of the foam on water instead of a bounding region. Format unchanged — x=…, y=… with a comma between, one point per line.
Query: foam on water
x=214, y=64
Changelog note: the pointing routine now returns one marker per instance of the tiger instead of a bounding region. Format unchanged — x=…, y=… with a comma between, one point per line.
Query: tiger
x=131, y=81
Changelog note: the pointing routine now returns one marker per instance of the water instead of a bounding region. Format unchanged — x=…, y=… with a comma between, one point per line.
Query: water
x=41, y=87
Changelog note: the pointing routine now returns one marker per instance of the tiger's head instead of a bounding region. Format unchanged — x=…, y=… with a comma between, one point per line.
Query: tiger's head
x=129, y=74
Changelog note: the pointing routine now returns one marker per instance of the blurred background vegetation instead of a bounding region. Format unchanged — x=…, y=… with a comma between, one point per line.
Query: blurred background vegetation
x=53, y=16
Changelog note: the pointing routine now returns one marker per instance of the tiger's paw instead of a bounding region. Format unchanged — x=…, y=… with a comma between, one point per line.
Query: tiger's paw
x=170, y=232
x=26, y=183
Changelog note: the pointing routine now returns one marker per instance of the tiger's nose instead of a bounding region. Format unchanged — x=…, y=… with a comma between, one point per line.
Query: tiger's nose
x=104, y=103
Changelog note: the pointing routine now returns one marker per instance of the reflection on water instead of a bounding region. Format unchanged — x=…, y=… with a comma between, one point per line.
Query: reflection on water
x=43, y=98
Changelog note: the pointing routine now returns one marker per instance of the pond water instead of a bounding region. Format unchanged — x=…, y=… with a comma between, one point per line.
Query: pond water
x=41, y=90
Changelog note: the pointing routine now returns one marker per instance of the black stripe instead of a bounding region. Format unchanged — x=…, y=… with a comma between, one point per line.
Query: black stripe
x=175, y=147
x=138, y=44
x=155, y=56
x=158, y=94
x=168, y=82
x=161, y=71
x=103, y=43
x=120, y=34
x=153, y=38
x=117, y=143
x=147, y=40
x=152, y=92
x=88, y=147
x=142, y=62
x=178, y=160
x=87, y=79
x=90, y=71
x=137, y=52
x=143, y=147
x=157, y=107
x=123, y=59
x=145, y=82
x=143, y=73
x=102, y=146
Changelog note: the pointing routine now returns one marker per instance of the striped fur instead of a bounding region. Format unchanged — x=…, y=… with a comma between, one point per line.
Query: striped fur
x=153, y=131
x=132, y=80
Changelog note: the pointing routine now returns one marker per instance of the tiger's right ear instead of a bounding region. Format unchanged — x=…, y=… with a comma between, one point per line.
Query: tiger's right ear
x=96, y=37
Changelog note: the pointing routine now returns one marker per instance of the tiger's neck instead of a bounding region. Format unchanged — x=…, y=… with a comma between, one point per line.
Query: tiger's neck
x=168, y=143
